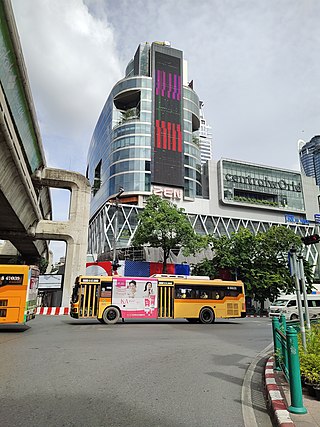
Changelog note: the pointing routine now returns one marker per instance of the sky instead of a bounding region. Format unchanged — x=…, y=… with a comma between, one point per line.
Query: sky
x=254, y=64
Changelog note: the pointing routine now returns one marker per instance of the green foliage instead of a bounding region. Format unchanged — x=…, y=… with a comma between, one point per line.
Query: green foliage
x=260, y=261
x=17, y=260
x=41, y=262
x=254, y=201
x=163, y=225
x=310, y=359
x=205, y=268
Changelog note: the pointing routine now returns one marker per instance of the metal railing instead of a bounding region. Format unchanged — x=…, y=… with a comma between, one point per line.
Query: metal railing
x=287, y=359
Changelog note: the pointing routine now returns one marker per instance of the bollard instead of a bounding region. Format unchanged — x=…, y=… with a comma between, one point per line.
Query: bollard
x=294, y=372
x=284, y=346
x=283, y=323
x=277, y=343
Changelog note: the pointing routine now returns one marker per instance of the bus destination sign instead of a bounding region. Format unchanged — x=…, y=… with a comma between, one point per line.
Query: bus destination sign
x=11, y=279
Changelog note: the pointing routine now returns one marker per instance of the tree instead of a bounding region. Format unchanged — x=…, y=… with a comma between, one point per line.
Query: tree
x=41, y=262
x=163, y=225
x=260, y=261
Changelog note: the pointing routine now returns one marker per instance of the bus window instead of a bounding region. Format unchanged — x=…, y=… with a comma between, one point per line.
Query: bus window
x=74, y=296
x=186, y=292
x=106, y=290
x=218, y=294
x=233, y=291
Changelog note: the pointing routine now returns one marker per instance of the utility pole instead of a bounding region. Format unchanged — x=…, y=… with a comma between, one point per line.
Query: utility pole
x=115, y=233
x=303, y=288
x=295, y=273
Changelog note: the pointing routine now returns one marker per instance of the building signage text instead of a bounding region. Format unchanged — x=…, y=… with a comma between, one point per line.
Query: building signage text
x=317, y=218
x=292, y=218
x=167, y=192
x=265, y=182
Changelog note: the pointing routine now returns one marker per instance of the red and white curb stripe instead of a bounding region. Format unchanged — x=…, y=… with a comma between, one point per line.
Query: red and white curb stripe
x=53, y=311
x=277, y=403
x=256, y=315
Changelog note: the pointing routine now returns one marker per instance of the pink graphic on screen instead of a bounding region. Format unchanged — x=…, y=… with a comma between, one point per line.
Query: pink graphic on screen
x=169, y=81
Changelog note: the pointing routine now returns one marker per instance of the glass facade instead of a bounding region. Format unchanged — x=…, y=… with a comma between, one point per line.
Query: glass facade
x=261, y=186
x=124, y=140
x=192, y=152
x=310, y=158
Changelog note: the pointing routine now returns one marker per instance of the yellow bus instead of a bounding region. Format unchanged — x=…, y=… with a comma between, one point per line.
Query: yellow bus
x=18, y=293
x=193, y=298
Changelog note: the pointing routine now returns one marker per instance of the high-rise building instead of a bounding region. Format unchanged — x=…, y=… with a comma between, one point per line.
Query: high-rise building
x=205, y=137
x=145, y=140
x=309, y=153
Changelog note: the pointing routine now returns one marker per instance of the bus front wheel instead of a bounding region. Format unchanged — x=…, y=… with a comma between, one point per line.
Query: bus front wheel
x=111, y=315
x=206, y=315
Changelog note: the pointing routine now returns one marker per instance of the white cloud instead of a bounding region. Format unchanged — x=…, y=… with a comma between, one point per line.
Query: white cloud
x=72, y=65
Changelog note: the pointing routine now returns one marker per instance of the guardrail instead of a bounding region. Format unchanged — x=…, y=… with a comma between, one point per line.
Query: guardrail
x=286, y=353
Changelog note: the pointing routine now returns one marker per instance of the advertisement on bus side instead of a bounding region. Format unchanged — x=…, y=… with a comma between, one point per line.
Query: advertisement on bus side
x=136, y=297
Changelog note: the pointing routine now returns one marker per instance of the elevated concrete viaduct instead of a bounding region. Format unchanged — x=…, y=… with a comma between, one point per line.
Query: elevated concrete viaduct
x=21, y=152
x=74, y=231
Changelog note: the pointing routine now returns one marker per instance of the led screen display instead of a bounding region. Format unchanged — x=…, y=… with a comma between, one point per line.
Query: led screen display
x=167, y=139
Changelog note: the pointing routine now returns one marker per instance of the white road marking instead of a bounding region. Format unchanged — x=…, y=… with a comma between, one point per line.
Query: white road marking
x=249, y=417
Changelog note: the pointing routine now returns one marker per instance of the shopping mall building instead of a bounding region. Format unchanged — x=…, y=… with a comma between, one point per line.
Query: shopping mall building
x=146, y=141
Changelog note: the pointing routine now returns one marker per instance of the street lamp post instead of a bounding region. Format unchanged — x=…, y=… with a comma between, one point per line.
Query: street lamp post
x=115, y=232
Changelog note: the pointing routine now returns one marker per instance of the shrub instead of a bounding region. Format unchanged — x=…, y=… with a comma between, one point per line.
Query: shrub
x=310, y=359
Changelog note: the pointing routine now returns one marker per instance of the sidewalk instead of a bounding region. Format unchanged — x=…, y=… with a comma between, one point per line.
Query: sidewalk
x=278, y=396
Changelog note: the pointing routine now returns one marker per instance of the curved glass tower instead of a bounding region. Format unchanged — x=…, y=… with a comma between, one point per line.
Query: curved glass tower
x=146, y=138
x=310, y=158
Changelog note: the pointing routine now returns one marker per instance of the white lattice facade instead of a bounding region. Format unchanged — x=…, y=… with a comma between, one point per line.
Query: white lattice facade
x=101, y=229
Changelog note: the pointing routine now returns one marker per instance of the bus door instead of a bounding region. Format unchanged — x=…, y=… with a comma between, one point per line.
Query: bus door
x=165, y=298
x=89, y=293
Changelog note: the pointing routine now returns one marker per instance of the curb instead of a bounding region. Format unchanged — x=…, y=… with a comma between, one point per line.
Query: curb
x=256, y=315
x=53, y=311
x=274, y=397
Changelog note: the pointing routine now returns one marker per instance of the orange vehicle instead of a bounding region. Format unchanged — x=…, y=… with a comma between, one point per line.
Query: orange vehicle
x=108, y=298
x=18, y=293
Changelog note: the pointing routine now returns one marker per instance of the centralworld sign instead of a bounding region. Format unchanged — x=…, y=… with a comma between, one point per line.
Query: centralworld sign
x=265, y=182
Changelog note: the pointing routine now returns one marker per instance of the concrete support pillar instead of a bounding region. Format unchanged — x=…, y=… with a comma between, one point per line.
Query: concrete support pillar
x=74, y=231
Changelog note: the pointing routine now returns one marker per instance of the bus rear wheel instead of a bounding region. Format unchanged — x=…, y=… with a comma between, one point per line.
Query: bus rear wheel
x=111, y=315
x=206, y=315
